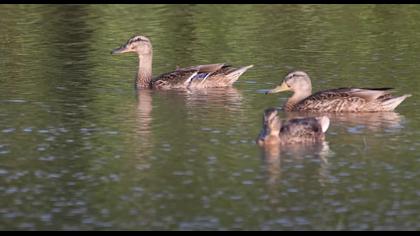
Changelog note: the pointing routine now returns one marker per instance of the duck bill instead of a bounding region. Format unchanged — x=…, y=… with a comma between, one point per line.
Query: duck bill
x=120, y=50
x=279, y=88
x=261, y=137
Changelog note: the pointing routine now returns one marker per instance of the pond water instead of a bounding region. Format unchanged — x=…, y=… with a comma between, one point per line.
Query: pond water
x=81, y=150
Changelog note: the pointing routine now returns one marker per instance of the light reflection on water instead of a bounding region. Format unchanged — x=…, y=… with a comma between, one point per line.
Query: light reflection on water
x=80, y=149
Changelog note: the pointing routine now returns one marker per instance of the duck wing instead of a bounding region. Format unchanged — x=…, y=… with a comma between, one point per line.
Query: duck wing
x=182, y=77
x=366, y=93
x=219, y=76
x=209, y=68
x=343, y=99
x=210, y=75
x=174, y=79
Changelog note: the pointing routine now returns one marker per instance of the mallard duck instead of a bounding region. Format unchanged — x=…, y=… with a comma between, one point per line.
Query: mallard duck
x=335, y=100
x=201, y=76
x=296, y=130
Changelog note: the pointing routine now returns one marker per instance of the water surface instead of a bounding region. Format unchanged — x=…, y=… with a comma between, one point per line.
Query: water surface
x=80, y=149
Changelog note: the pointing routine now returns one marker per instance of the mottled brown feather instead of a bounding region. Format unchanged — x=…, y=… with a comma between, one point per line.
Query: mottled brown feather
x=218, y=77
x=343, y=100
x=298, y=130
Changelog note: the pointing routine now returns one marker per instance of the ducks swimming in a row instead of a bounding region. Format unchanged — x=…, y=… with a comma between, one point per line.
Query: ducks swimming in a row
x=297, y=130
x=201, y=76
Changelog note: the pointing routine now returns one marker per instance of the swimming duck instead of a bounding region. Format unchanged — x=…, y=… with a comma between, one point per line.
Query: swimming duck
x=335, y=100
x=201, y=76
x=296, y=130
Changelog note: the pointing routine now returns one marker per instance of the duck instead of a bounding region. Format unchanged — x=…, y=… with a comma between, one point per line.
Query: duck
x=200, y=76
x=292, y=131
x=334, y=100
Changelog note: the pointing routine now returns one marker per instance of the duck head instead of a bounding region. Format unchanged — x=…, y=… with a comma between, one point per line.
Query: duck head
x=271, y=127
x=296, y=81
x=138, y=44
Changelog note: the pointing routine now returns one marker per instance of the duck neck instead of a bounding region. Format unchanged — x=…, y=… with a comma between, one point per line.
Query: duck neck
x=144, y=74
x=295, y=99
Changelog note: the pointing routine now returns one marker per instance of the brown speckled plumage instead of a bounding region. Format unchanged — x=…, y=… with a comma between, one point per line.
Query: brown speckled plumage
x=201, y=76
x=296, y=130
x=219, y=75
x=335, y=100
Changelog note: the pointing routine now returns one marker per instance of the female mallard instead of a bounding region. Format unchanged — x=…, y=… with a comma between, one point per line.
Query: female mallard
x=335, y=100
x=201, y=76
x=297, y=130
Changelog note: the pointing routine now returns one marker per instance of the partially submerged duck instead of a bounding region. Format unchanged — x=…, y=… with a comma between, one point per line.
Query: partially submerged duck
x=296, y=130
x=335, y=100
x=201, y=76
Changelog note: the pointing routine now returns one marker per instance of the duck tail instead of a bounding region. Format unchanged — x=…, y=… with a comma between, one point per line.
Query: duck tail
x=391, y=103
x=325, y=123
x=234, y=75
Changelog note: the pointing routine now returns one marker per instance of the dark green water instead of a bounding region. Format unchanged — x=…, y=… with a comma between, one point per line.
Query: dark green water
x=80, y=150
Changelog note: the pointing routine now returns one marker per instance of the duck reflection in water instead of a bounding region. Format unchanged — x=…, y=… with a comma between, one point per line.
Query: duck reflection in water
x=144, y=119
x=229, y=98
x=212, y=101
x=274, y=157
x=297, y=137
